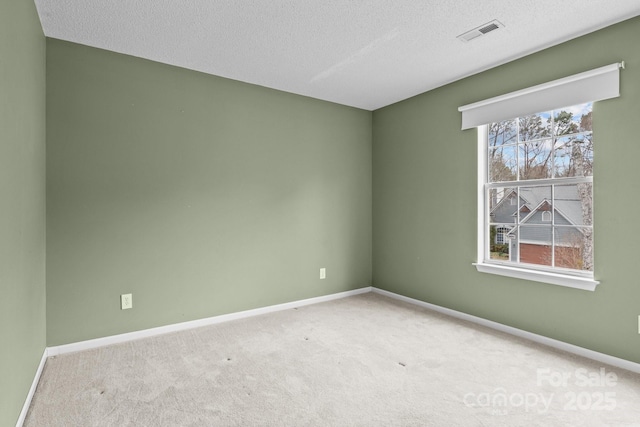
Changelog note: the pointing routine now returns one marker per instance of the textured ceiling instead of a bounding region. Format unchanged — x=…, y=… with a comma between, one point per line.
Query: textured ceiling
x=362, y=53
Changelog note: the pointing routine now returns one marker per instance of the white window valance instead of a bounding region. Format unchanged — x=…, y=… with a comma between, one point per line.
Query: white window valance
x=594, y=85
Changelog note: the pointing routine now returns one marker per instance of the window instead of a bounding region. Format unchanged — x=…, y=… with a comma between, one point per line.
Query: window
x=535, y=178
x=539, y=188
x=501, y=235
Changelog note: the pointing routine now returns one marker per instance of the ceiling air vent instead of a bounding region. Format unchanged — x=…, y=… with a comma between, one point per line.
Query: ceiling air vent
x=480, y=31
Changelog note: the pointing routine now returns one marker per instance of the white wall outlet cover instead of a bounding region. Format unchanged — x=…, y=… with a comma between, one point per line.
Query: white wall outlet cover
x=323, y=273
x=126, y=301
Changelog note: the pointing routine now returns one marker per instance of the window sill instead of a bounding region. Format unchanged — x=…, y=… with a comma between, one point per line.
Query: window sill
x=576, y=282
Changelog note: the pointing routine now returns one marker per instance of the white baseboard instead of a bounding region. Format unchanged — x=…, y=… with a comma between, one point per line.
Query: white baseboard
x=131, y=336
x=560, y=345
x=32, y=390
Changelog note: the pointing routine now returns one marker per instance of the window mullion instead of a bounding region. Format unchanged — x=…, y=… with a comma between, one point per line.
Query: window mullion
x=518, y=150
x=553, y=228
x=542, y=182
x=518, y=224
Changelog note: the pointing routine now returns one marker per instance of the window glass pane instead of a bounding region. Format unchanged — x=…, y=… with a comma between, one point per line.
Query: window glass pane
x=573, y=156
x=503, y=205
x=573, y=119
x=503, y=163
x=535, y=126
x=573, y=204
x=562, y=157
x=586, y=119
x=564, y=123
x=501, y=133
x=499, y=241
x=534, y=201
x=574, y=248
x=535, y=159
x=584, y=145
x=535, y=243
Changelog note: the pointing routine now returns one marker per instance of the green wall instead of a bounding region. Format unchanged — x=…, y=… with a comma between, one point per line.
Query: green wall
x=424, y=181
x=199, y=195
x=22, y=203
x=203, y=196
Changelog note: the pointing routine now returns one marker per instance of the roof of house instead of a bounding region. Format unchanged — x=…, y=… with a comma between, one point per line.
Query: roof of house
x=567, y=201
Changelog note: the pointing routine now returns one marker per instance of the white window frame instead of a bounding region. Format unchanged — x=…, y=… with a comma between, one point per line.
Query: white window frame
x=590, y=86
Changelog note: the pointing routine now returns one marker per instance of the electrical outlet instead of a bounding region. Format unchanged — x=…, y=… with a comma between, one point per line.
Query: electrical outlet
x=639, y=324
x=323, y=273
x=126, y=301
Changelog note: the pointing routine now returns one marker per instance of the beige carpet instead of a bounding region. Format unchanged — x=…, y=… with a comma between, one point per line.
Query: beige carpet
x=361, y=361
